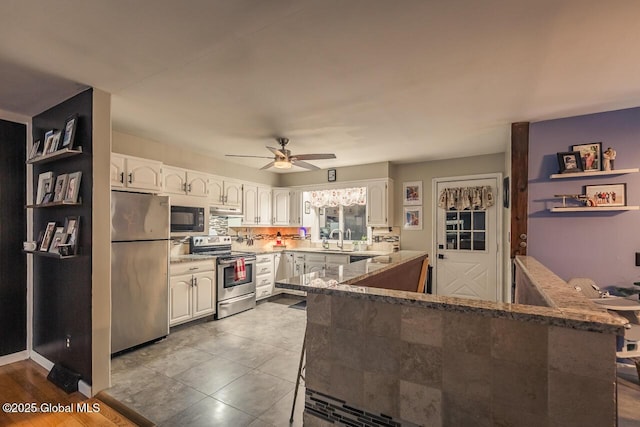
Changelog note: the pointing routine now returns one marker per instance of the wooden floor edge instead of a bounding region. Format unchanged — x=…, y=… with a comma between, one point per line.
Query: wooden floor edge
x=127, y=412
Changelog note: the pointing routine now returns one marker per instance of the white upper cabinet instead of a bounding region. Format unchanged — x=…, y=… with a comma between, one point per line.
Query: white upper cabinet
x=379, y=209
x=225, y=192
x=295, y=208
x=257, y=205
x=182, y=181
x=134, y=173
x=281, y=206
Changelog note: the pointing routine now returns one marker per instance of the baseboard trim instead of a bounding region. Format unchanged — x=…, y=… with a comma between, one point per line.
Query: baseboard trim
x=84, y=388
x=14, y=357
x=41, y=360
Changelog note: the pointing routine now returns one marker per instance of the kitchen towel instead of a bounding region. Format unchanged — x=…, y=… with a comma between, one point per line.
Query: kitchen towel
x=239, y=270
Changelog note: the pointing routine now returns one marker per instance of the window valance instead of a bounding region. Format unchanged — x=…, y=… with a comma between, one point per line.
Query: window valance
x=338, y=197
x=469, y=198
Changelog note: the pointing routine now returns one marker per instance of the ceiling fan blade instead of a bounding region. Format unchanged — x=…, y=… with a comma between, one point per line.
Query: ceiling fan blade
x=277, y=152
x=267, y=166
x=242, y=155
x=313, y=156
x=304, y=165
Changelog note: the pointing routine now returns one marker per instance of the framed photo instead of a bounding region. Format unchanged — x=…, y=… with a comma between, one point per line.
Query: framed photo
x=48, y=140
x=307, y=207
x=55, y=141
x=506, y=190
x=331, y=175
x=70, y=131
x=413, y=218
x=45, y=185
x=591, y=156
x=58, y=239
x=71, y=229
x=412, y=193
x=606, y=195
x=570, y=162
x=48, y=198
x=60, y=188
x=34, y=150
x=73, y=187
x=48, y=236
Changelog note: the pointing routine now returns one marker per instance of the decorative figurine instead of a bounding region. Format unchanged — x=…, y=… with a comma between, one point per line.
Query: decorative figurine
x=609, y=157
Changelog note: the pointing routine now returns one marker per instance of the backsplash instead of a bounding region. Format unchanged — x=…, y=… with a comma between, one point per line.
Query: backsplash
x=218, y=225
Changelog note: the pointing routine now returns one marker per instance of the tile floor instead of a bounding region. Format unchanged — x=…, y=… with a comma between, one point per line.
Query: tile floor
x=238, y=371
x=241, y=371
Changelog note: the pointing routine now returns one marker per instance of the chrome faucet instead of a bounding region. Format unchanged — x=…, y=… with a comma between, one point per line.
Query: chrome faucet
x=340, y=243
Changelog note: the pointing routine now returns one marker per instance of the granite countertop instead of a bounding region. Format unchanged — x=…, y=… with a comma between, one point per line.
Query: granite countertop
x=276, y=250
x=333, y=282
x=190, y=258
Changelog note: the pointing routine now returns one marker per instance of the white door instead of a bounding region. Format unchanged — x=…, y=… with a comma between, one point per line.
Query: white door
x=467, y=254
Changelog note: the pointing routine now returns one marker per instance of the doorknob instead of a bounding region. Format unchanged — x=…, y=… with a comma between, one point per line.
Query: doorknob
x=523, y=236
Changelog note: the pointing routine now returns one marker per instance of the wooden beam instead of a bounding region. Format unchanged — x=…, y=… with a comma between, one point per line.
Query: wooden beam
x=519, y=187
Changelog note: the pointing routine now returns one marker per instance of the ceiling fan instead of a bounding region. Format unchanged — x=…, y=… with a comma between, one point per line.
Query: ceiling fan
x=283, y=159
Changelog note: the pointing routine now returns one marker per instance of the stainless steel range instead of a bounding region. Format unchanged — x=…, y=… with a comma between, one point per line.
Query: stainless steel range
x=233, y=294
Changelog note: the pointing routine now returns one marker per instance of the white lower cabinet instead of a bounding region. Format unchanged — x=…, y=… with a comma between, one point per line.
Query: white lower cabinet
x=265, y=275
x=192, y=291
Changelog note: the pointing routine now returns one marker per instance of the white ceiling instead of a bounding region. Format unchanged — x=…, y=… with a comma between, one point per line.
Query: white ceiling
x=370, y=80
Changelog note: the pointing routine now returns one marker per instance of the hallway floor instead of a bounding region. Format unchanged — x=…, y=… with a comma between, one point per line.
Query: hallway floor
x=238, y=371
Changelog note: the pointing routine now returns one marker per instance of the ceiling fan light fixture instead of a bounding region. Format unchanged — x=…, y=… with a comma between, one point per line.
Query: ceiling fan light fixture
x=282, y=164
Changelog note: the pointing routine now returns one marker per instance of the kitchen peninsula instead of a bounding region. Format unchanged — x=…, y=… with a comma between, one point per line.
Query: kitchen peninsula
x=385, y=355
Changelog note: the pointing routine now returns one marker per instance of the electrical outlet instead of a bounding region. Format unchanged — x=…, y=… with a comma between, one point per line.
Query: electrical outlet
x=68, y=342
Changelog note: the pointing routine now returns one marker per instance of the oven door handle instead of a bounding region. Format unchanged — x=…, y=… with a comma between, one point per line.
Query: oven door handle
x=248, y=260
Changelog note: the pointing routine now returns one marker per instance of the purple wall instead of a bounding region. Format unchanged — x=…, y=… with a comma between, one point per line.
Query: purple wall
x=599, y=245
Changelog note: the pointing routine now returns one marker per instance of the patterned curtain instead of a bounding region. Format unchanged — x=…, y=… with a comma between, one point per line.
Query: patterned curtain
x=339, y=196
x=466, y=198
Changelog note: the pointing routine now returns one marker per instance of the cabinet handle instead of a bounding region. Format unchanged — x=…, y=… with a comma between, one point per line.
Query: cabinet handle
x=192, y=279
x=131, y=178
x=193, y=268
x=189, y=188
x=225, y=199
x=122, y=177
x=195, y=281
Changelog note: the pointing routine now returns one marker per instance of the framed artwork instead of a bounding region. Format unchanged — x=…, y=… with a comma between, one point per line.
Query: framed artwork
x=606, y=195
x=570, y=162
x=412, y=193
x=73, y=187
x=45, y=184
x=60, y=188
x=506, y=190
x=331, y=175
x=307, y=207
x=58, y=239
x=48, y=140
x=55, y=142
x=70, y=131
x=34, y=150
x=48, y=236
x=71, y=229
x=590, y=155
x=413, y=218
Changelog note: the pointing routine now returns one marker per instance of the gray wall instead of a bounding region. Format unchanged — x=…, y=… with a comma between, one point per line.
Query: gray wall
x=425, y=172
x=343, y=174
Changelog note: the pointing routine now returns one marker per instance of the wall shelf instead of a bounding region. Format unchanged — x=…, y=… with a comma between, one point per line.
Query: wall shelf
x=56, y=155
x=49, y=254
x=594, y=209
x=597, y=173
x=54, y=204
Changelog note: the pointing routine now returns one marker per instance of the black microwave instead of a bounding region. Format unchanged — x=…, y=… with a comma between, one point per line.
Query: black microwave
x=187, y=219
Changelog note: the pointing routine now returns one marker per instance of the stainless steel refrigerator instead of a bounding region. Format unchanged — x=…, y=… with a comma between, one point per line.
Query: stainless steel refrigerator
x=139, y=269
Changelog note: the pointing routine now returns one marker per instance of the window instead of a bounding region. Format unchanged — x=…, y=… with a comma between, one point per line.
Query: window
x=466, y=230
x=350, y=219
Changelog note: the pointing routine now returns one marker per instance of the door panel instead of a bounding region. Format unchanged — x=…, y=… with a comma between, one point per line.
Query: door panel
x=467, y=260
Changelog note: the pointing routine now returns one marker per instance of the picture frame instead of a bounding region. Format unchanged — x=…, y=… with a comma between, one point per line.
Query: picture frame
x=58, y=239
x=34, y=150
x=606, y=195
x=48, y=236
x=70, y=127
x=48, y=140
x=307, y=207
x=55, y=142
x=45, y=184
x=48, y=198
x=60, y=189
x=506, y=191
x=413, y=218
x=591, y=156
x=72, y=229
x=412, y=193
x=331, y=175
x=73, y=187
x=570, y=162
